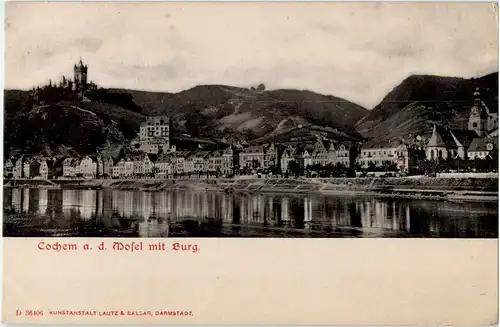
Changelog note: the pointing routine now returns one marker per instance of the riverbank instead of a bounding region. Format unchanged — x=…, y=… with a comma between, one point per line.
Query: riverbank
x=473, y=189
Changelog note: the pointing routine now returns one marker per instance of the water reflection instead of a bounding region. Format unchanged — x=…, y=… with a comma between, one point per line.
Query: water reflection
x=42, y=212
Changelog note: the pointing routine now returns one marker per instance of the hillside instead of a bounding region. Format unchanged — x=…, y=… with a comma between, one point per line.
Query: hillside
x=420, y=100
x=59, y=129
x=212, y=111
x=234, y=113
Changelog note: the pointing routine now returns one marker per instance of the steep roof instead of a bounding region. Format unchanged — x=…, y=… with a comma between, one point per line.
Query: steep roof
x=481, y=144
x=215, y=153
x=162, y=158
x=376, y=144
x=290, y=151
x=181, y=154
x=254, y=149
x=441, y=138
x=201, y=154
x=152, y=157
x=465, y=137
x=59, y=162
x=301, y=148
x=75, y=162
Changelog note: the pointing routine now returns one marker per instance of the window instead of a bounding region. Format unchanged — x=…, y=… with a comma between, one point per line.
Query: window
x=474, y=125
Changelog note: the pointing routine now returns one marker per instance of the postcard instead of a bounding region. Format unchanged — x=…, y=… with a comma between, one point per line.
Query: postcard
x=264, y=163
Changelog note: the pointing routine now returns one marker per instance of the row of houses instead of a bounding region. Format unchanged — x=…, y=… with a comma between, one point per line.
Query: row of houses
x=323, y=152
x=442, y=145
x=57, y=167
x=221, y=162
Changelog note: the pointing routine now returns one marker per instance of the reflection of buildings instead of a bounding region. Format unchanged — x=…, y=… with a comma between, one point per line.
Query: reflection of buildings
x=82, y=203
x=26, y=199
x=284, y=210
x=307, y=212
x=149, y=214
x=87, y=204
x=69, y=202
x=384, y=215
x=17, y=198
x=42, y=201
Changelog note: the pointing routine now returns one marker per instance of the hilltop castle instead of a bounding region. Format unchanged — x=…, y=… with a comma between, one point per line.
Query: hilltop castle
x=72, y=88
x=80, y=75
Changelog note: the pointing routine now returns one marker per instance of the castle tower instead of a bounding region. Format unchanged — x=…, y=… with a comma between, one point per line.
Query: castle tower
x=478, y=118
x=80, y=73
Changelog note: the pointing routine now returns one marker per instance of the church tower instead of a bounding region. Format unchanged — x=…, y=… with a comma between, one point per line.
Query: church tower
x=478, y=119
x=80, y=73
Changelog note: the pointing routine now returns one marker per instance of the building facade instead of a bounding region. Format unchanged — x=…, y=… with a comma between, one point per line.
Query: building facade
x=154, y=135
x=252, y=157
x=482, y=120
x=482, y=148
x=448, y=143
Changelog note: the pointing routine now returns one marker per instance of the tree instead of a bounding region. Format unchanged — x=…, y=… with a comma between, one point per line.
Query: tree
x=128, y=129
x=371, y=166
x=351, y=172
x=274, y=169
x=390, y=166
x=429, y=167
x=295, y=168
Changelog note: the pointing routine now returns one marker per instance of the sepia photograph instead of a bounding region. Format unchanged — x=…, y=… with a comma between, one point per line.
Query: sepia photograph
x=297, y=163
x=206, y=120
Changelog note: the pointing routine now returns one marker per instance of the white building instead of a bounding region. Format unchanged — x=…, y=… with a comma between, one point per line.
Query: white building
x=287, y=156
x=481, y=148
x=88, y=168
x=154, y=135
x=163, y=166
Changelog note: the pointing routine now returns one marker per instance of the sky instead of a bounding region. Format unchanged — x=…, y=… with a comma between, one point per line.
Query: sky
x=357, y=51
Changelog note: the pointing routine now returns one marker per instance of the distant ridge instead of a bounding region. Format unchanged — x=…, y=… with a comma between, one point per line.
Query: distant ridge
x=420, y=100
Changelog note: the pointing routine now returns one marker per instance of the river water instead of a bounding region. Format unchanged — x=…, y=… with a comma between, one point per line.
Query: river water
x=118, y=213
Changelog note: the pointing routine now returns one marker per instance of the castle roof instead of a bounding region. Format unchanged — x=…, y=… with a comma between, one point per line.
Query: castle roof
x=80, y=64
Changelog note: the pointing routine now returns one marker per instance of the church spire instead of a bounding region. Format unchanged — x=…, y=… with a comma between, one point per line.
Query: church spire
x=477, y=97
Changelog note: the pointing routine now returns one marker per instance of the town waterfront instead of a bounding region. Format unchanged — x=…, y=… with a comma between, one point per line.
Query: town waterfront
x=176, y=213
